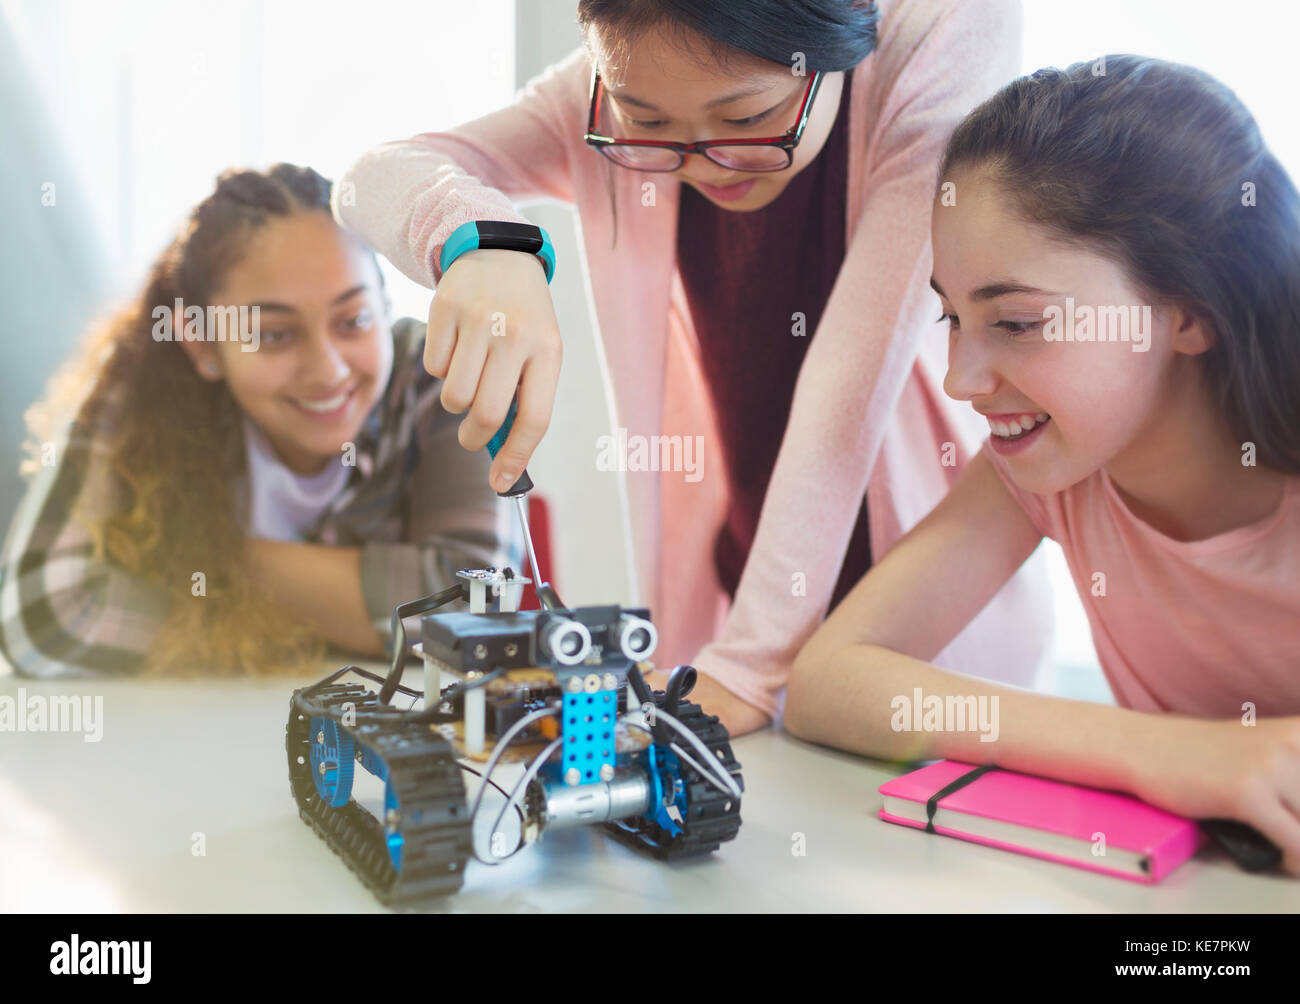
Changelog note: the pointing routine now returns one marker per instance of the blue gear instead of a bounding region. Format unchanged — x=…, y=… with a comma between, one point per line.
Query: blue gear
x=337, y=755
x=664, y=770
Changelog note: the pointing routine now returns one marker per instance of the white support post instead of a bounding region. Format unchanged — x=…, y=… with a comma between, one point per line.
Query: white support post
x=475, y=715
x=432, y=683
x=477, y=596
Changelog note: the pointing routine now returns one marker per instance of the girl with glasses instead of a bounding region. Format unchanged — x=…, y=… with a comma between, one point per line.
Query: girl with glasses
x=752, y=181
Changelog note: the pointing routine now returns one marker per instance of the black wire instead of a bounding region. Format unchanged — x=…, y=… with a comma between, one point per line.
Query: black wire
x=417, y=694
x=432, y=713
x=522, y=841
x=681, y=681
x=639, y=687
x=392, y=714
x=308, y=691
x=488, y=780
x=420, y=606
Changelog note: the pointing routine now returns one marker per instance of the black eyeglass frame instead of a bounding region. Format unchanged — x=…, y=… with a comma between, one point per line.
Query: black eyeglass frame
x=787, y=141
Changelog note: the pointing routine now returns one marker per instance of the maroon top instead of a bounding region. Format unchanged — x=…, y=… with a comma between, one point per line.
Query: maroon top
x=745, y=275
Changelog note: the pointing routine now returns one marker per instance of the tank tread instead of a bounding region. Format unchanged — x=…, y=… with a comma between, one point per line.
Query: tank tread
x=434, y=816
x=712, y=816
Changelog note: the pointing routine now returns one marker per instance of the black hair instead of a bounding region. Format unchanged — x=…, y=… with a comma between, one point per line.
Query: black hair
x=1161, y=168
x=831, y=34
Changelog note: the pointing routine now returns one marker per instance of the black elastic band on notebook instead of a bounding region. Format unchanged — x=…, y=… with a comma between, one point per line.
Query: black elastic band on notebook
x=932, y=804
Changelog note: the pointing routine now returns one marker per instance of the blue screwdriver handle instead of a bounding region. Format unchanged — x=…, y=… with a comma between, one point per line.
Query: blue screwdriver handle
x=525, y=484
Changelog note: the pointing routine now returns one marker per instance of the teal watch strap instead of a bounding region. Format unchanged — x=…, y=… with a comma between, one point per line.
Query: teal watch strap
x=498, y=234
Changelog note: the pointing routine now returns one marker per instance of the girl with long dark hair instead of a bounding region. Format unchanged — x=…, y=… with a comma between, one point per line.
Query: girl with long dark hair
x=1118, y=257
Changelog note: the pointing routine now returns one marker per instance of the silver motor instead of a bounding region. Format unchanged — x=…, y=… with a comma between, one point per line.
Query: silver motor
x=628, y=794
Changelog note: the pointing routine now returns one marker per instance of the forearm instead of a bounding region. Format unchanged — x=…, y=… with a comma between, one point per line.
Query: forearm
x=735, y=713
x=854, y=699
x=319, y=585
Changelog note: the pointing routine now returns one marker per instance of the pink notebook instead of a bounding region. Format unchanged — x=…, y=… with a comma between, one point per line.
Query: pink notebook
x=1104, y=831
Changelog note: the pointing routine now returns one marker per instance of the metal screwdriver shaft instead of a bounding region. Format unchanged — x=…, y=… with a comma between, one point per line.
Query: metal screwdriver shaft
x=528, y=539
x=518, y=491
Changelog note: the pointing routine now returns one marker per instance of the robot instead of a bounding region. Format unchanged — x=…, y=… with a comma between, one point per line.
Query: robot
x=559, y=691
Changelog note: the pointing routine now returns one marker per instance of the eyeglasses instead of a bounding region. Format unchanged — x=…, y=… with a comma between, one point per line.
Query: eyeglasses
x=775, y=153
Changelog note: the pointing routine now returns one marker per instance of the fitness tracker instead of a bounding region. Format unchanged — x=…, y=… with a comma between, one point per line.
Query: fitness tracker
x=498, y=234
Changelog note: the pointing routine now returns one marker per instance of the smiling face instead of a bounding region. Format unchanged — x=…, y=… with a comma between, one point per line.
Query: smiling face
x=1058, y=409
x=667, y=90
x=325, y=350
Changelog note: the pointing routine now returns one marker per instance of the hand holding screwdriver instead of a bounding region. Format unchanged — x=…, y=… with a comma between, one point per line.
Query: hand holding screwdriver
x=481, y=292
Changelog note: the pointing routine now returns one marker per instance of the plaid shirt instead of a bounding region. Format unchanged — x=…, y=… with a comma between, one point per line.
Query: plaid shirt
x=417, y=504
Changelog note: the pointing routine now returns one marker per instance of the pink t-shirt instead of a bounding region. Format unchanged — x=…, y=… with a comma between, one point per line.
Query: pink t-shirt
x=1198, y=627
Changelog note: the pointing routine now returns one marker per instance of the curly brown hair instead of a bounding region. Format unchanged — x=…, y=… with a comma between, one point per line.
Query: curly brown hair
x=176, y=442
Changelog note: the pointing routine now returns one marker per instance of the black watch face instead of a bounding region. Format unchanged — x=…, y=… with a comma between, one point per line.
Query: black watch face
x=509, y=236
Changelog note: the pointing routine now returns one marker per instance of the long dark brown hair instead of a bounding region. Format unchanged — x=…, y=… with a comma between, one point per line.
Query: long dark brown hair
x=177, y=440
x=1162, y=168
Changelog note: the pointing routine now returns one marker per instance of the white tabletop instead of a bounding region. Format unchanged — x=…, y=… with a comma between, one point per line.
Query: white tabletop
x=111, y=826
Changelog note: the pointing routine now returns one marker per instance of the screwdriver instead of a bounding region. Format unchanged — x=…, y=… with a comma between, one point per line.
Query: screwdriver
x=517, y=491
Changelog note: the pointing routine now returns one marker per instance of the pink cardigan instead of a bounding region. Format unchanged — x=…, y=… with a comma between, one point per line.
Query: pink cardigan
x=869, y=415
